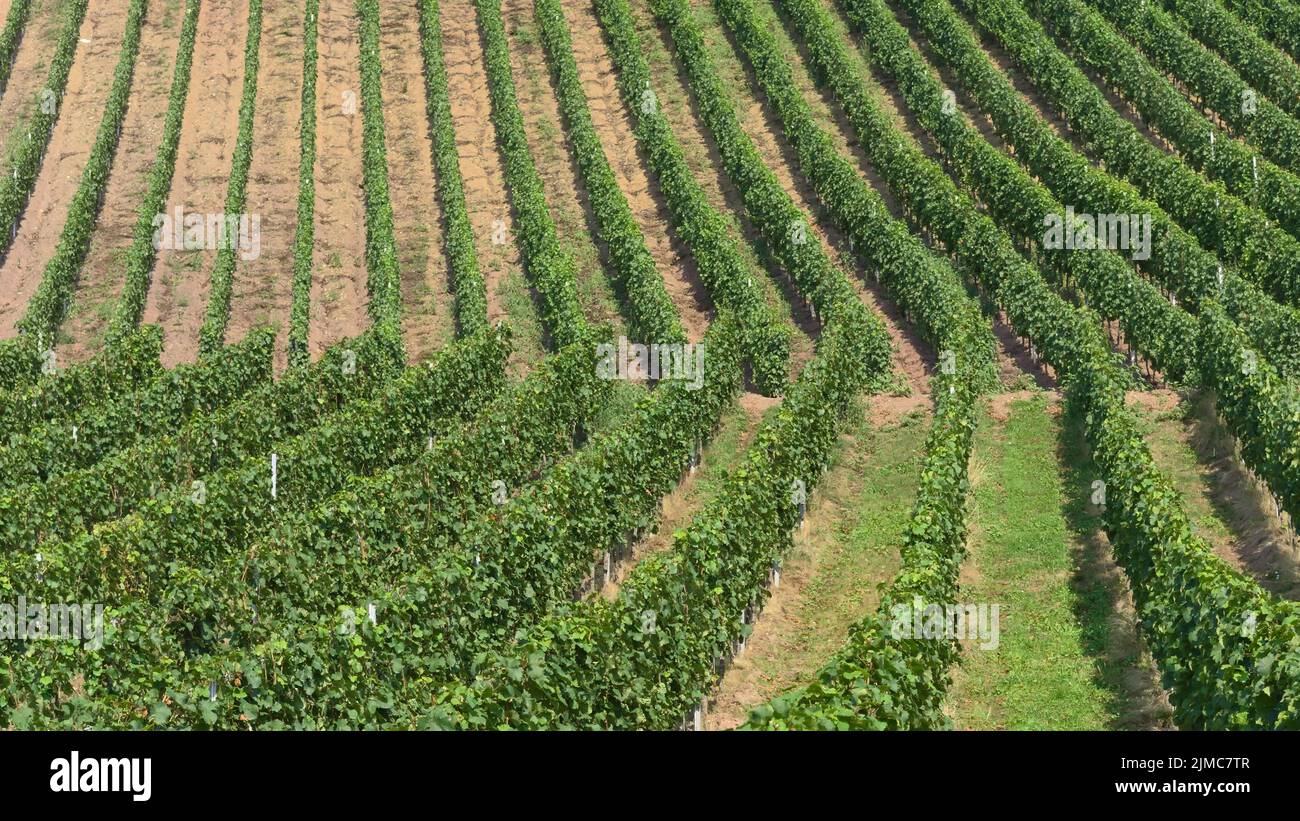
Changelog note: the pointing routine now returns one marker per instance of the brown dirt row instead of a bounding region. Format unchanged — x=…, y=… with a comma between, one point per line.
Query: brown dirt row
x=178, y=293
x=74, y=132
x=912, y=356
x=262, y=291
x=566, y=196
x=101, y=277
x=614, y=125
x=428, y=321
x=701, y=155
x=338, y=290
x=481, y=166
x=31, y=67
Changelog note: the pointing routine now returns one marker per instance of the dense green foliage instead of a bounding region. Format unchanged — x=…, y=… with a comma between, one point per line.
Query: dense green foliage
x=1239, y=233
x=1260, y=62
x=549, y=267
x=644, y=659
x=384, y=282
x=72, y=503
x=1199, y=141
x=921, y=282
x=1263, y=124
x=178, y=536
x=56, y=447
x=1174, y=574
x=1277, y=20
x=60, y=394
x=880, y=680
x=367, y=544
x=1180, y=266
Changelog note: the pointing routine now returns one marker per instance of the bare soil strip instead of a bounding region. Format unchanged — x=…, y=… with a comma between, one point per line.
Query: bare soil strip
x=566, y=197
x=80, y=111
x=913, y=358
x=483, y=170
x=101, y=279
x=338, y=289
x=678, y=107
x=31, y=65
x=428, y=321
x=262, y=290
x=178, y=292
x=614, y=125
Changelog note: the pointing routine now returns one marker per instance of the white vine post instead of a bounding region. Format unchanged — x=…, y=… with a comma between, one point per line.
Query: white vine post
x=799, y=498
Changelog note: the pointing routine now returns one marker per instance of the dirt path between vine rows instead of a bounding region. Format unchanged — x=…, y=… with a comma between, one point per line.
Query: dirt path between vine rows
x=31, y=68
x=483, y=170
x=737, y=430
x=848, y=544
x=79, y=113
x=679, y=107
x=428, y=319
x=102, y=275
x=566, y=193
x=262, y=291
x=615, y=128
x=912, y=357
x=339, y=298
x=178, y=293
